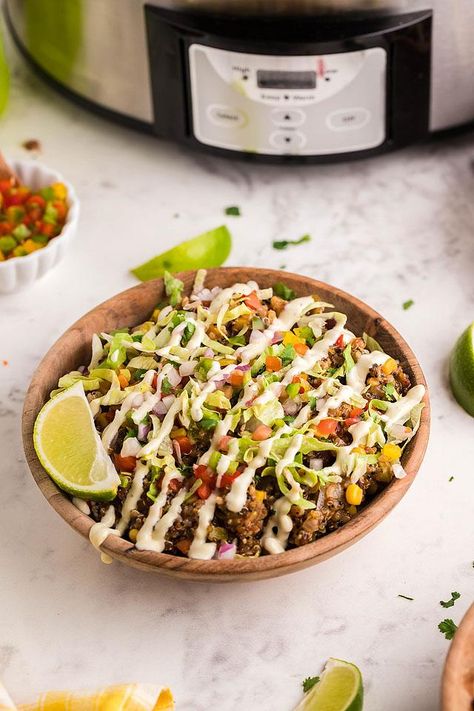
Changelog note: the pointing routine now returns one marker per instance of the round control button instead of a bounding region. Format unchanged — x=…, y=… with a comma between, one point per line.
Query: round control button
x=226, y=116
x=284, y=139
x=289, y=117
x=348, y=119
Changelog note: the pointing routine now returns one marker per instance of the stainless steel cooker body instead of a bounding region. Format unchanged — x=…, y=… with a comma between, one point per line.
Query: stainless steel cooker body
x=276, y=80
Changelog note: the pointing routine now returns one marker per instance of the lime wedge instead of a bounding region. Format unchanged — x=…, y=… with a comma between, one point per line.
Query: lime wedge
x=70, y=449
x=210, y=249
x=461, y=370
x=339, y=689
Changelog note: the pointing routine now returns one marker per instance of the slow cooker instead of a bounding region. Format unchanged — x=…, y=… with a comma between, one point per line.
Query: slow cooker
x=275, y=80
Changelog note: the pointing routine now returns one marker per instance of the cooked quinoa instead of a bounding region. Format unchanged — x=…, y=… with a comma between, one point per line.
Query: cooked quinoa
x=243, y=421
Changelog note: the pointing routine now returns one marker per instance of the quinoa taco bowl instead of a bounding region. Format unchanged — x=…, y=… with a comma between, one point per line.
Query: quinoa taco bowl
x=254, y=422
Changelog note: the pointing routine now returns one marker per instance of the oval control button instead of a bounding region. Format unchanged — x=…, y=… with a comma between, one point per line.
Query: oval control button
x=227, y=116
x=348, y=119
x=288, y=117
x=287, y=140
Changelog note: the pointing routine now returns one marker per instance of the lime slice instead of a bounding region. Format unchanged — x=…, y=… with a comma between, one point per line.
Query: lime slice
x=210, y=249
x=69, y=447
x=339, y=689
x=461, y=370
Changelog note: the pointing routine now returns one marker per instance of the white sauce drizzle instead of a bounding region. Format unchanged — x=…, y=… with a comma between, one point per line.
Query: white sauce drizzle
x=82, y=505
x=146, y=536
x=99, y=532
x=111, y=431
x=166, y=521
x=357, y=376
x=200, y=549
x=134, y=494
x=397, y=413
x=276, y=542
x=154, y=444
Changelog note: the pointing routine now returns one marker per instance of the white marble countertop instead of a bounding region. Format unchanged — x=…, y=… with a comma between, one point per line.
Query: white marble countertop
x=387, y=230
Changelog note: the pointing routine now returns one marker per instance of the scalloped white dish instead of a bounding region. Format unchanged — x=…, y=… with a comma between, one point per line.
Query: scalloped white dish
x=20, y=272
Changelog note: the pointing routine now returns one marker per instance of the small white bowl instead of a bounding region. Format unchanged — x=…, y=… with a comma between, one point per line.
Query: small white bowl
x=19, y=272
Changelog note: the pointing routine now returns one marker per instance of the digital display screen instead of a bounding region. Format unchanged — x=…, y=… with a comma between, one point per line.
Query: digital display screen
x=271, y=79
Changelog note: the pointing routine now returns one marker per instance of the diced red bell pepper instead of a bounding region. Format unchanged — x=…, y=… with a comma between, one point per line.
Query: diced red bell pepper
x=351, y=421
x=273, y=363
x=236, y=378
x=300, y=348
x=254, y=303
x=204, y=491
x=125, y=464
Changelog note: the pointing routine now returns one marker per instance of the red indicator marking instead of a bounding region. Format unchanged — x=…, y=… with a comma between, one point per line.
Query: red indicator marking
x=321, y=70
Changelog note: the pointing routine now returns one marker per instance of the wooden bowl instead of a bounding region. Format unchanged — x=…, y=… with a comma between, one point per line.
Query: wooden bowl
x=458, y=677
x=132, y=307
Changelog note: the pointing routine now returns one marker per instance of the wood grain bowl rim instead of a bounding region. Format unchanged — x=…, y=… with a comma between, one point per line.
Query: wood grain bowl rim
x=252, y=568
x=458, y=673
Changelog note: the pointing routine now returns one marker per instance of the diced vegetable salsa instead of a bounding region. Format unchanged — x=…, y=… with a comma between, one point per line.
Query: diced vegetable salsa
x=29, y=219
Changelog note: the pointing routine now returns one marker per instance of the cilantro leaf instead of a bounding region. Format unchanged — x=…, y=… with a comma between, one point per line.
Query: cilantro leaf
x=449, y=603
x=233, y=210
x=450, y=478
x=448, y=628
x=283, y=291
x=284, y=243
x=407, y=304
x=309, y=682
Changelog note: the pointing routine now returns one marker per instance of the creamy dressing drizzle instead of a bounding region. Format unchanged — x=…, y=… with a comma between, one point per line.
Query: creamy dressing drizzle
x=146, y=539
x=201, y=549
x=275, y=542
x=111, y=431
x=357, y=376
x=99, y=532
x=133, y=496
x=82, y=505
x=398, y=412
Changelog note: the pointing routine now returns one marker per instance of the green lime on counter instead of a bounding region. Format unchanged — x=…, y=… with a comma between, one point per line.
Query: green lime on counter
x=70, y=449
x=207, y=250
x=461, y=370
x=339, y=688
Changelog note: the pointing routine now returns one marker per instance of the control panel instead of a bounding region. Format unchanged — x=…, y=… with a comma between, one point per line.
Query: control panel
x=288, y=105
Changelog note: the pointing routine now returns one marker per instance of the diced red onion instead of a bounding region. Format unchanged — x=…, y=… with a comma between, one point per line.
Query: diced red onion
x=321, y=500
x=174, y=377
x=277, y=337
x=209, y=353
x=226, y=551
x=130, y=448
x=398, y=471
x=290, y=407
x=143, y=431
x=244, y=367
x=203, y=295
x=187, y=368
x=177, y=451
x=82, y=369
x=160, y=408
x=399, y=432
x=167, y=401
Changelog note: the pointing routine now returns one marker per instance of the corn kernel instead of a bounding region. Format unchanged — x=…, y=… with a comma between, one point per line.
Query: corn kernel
x=132, y=534
x=124, y=377
x=179, y=432
x=60, y=191
x=358, y=450
x=354, y=494
x=155, y=314
x=30, y=246
x=392, y=452
x=260, y=495
x=290, y=339
x=226, y=361
x=389, y=366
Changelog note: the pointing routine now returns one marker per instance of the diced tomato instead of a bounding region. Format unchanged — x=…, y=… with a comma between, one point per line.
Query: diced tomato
x=47, y=229
x=261, y=432
x=174, y=485
x=300, y=348
x=351, y=421
x=6, y=185
x=184, y=545
x=356, y=411
x=224, y=443
x=154, y=381
x=185, y=444
x=6, y=228
x=35, y=201
x=236, y=378
x=326, y=427
x=204, y=491
x=254, y=303
x=125, y=464
x=206, y=474
x=228, y=479
x=273, y=363
x=12, y=198
x=340, y=341
x=61, y=210
x=300, y=380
